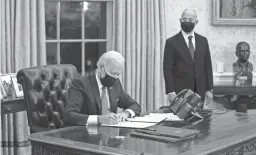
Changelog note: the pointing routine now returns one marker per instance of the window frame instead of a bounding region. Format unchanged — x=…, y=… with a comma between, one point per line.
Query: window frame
x=110, y=27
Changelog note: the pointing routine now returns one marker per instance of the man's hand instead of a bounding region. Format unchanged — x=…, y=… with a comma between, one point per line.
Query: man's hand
x=110, y=119
x=123, y=116
x=171, y=96
x=209, y=94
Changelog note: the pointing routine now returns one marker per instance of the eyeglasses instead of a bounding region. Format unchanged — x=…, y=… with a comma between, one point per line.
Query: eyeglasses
x=188, y=20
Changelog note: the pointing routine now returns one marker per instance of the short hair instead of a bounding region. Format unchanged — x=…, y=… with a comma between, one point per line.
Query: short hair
x=110, y=57
x=189, y=10
x=238, y=45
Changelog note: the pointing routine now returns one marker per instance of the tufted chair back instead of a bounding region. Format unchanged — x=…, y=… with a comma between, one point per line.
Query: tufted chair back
x=45, y=92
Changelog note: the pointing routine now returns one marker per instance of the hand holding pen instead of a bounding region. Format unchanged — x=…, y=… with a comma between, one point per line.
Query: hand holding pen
x=110, y=118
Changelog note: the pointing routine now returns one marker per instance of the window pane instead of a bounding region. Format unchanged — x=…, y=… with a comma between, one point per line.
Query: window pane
x=70, y=20
x=51, y=53
x=70, y=53
x=95, y=20
x=92, y=53
x=50, y=20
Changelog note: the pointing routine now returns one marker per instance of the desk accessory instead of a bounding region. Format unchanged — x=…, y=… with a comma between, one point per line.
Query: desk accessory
x=154, y=137
x=186, y=103
x=164, y=133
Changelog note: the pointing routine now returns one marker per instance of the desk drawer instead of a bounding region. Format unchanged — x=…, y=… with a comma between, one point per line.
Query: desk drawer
x=11, y=106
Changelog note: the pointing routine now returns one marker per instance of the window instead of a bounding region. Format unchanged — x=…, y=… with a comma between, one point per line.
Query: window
x=78, y=32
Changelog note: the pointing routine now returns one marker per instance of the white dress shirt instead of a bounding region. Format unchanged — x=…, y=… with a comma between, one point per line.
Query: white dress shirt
x=93, y=119
x=186, y=35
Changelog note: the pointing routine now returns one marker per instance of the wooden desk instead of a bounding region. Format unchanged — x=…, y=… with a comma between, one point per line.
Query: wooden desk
x=9, y=105
x=227, y=134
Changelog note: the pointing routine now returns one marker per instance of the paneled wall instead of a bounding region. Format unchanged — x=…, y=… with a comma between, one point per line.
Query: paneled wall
x=222, y=39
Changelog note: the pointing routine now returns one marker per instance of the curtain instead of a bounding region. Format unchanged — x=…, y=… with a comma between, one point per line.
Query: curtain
x=22, y=44
x=23, y=34
x=140, y=36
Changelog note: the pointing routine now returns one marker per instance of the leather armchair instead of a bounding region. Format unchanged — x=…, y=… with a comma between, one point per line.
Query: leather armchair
x=45, y=93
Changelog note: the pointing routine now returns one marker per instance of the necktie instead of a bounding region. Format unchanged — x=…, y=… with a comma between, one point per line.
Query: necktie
x=104, y=101
x=191, y=46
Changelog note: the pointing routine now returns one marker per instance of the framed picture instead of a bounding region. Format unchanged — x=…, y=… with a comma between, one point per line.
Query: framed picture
x=7, y=83
x=3, y=93
x=17, y=87
x=234, y=12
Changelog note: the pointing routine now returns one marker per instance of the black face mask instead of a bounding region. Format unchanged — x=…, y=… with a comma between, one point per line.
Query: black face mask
x=187, y=26
x=108, y=81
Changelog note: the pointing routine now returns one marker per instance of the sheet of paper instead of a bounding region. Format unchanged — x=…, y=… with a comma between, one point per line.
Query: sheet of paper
x=169, y=116
x=155, y=118
x=212, y=105
x=135, y=125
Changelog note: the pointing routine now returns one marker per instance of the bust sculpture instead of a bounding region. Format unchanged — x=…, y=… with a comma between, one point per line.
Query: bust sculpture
x=242, y=67
x=243, y=74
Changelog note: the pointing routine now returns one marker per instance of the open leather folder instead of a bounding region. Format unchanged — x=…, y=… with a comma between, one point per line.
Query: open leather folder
x=164, y=133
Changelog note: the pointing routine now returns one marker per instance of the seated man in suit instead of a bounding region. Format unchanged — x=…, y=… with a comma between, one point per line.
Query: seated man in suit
x=94, y=99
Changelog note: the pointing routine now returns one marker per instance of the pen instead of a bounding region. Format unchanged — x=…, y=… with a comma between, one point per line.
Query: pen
x=161, y=121
x=146, y=129
x=128, y=120
x=150, y=129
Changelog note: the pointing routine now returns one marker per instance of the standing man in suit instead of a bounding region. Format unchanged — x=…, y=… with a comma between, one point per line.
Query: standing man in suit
x=94, y=99
x=187, y=61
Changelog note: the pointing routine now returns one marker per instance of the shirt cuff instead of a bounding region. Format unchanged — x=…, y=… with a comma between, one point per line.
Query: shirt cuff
x=131, y=112
x=92, y=130
x=92, y=120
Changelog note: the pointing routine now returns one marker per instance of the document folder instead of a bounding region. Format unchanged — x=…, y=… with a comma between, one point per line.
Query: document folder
x=166, y=133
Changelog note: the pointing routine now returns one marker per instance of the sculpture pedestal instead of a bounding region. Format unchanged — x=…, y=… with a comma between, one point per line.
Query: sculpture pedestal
x=242, y=103
x=241, y=108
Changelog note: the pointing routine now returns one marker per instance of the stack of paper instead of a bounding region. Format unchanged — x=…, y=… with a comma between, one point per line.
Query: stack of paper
x=135, y=125
x=146, y=121
x=155, y=118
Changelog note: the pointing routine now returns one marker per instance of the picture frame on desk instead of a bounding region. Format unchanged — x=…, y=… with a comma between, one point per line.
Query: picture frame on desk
x=226, y=12
x=3, y=93
x=7, y=83
x=17, y=87
x=11, y=86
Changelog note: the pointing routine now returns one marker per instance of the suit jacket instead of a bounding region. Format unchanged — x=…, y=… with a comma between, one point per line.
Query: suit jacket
x=84, y=100
x=181, y=71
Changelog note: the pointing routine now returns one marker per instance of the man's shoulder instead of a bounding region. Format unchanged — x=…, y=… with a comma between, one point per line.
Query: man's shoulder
x=200, y=36
x=174, y=37
x=81, y=79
